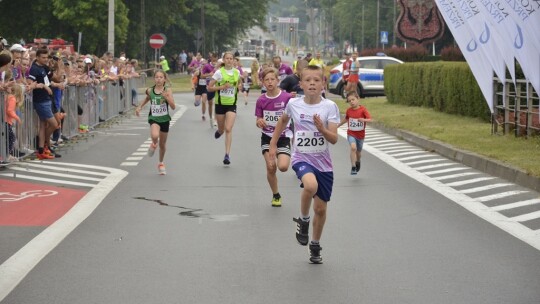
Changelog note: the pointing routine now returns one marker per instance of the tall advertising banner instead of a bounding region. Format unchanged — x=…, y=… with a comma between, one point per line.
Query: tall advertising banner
x=486, y=39
x=519, y=36
x=478, y=62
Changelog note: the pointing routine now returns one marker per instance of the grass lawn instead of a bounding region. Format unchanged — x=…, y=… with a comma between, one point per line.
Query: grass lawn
x=461, y=132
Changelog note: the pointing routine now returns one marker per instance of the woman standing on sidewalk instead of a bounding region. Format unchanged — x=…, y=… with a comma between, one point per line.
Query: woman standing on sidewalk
x=160, y=98
x=226, y=82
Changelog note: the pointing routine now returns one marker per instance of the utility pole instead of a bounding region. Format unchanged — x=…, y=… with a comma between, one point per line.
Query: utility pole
x=110, y=41
x=143, y=32
x=378, y=29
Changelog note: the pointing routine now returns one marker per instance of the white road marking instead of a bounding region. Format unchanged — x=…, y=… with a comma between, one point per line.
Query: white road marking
x=484, y=188
x=418, y=156
x=469, y=181
x=58, y=167
x=451, y=176
x=50, y=173
x=138, y=153
x=516, y=204
x=409, y=152
x=393, y=145
x=499, y=195
x=446, y=170
x=134, y=158
x=425, y=161
x=49, y=180
x=434, y=166
x=14, y=269
x=526, y=217
x=129, y=164
x=474, y=205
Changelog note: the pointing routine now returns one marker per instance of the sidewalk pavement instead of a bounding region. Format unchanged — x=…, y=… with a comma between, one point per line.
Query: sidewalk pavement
x=473, y=160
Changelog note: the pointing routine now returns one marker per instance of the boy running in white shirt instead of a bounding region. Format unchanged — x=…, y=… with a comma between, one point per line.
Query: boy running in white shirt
x=315, y=124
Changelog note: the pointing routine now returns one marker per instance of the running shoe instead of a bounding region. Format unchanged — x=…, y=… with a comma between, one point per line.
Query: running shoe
x=151, y=150
x=353, y=171
x=203, y=118
x=217, y=134
x=315, y=253
x=197, y=103
x=276, y=202
x=214, y=123
x=211, y=121
x=42, y=156
x=161, y=169
x=302, y=230
x=226, y=160
x=358, y=166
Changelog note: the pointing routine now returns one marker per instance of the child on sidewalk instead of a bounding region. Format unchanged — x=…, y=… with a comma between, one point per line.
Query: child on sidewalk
x=356, y=116
x=160, y=98
x=315, y=124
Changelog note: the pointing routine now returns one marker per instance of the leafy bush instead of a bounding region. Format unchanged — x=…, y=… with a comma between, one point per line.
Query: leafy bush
x=452, y=53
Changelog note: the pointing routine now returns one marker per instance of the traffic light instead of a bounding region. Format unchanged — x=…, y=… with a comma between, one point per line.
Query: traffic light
x=291, y=28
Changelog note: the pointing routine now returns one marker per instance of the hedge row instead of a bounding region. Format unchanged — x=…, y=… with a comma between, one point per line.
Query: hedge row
x=445, y=86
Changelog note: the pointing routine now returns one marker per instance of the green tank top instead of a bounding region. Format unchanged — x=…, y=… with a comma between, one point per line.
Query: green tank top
x=159, y=108
x=228, y=96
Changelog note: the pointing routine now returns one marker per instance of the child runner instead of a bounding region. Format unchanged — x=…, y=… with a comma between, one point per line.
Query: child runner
x=246, y=84
x=315, y=124
x=226, y=82
x=356, y=116
x=268, y=109
x=160, y=97
x=13, y=98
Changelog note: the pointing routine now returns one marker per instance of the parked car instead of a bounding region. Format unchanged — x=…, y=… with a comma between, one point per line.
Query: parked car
x=371, y=76
x=246, y=63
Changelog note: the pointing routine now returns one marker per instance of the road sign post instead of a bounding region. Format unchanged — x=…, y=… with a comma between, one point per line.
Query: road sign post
x=157, y=41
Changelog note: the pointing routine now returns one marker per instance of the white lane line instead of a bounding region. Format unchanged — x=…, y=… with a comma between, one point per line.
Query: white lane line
x=434, y=166
x=484, y=188
x=473, y=205
x=129, y=164
x=404, y=152
x=134, y=158
x=469, y=181
x=142, y=149
x=499, y=195
x=14, y=269
x=145, y=146
x=377, y=142
x=49, y=180
x=417, y=157
x=446, y=170
x=444, y=177
x=58, y=168
x=138, y=153
x=425, y=161
x=516, y=204
x=526, y=217
x=393, y=145
x=49, y=173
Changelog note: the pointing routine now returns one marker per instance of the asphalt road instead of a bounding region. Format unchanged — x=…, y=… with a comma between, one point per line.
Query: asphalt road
x=206, y=233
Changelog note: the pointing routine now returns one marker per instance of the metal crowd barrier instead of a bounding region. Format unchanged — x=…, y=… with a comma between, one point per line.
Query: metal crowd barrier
x=103, y=101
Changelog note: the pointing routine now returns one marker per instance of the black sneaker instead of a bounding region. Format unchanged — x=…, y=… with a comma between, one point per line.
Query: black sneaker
x=217, y=135
x=315, y=253
x=226, y=160
x=302, y=231
x=353, y=171
x=358, y=166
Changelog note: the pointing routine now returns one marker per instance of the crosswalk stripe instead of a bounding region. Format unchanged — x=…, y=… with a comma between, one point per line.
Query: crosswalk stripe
x=49, y=173
x=495, y=196
x=49, y=180
x=417, y=157
x=484, y=188
x=457, y=175
x=516, y=204
x=434, y=166
x=425, y=161
x=407, y=152
x=59, y=168
x=526, y=217
x=469, y=181
x=446, y=170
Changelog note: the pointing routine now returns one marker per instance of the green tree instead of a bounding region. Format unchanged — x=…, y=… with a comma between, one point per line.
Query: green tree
x=91, y=18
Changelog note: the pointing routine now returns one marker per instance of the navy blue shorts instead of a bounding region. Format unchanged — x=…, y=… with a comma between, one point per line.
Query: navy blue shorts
x=44, y=109
x=325, y=180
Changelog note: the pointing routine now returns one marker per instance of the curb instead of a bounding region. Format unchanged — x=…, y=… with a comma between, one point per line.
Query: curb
x=473, y=160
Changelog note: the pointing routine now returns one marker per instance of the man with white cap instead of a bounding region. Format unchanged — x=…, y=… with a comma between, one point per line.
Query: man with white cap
x=163, y=64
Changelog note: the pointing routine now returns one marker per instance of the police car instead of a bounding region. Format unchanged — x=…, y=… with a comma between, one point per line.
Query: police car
x=371, y=76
